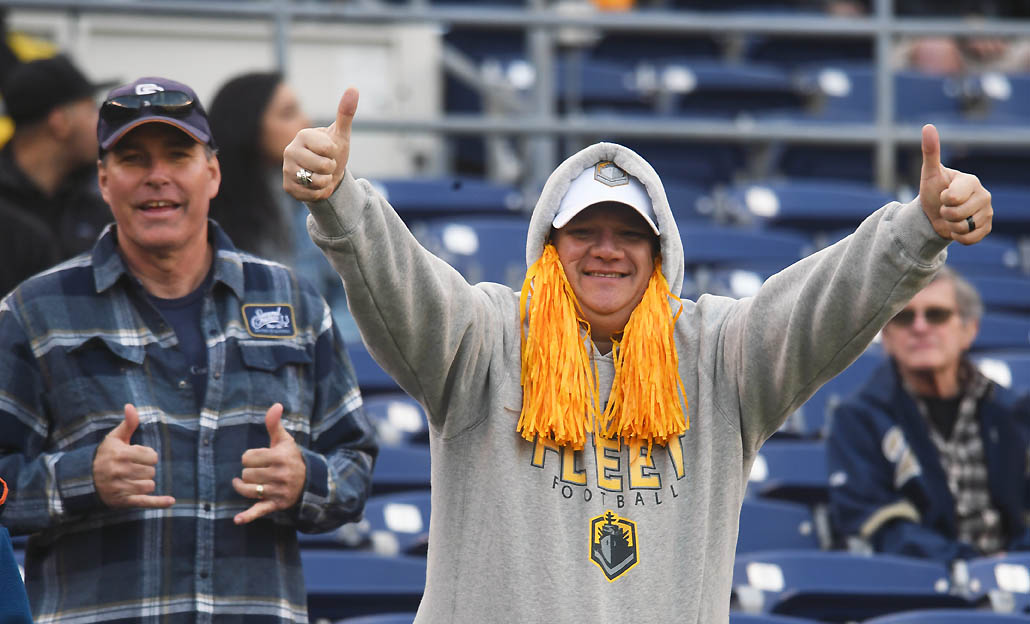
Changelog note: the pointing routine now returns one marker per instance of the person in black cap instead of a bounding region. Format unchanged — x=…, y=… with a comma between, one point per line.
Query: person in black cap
x=47, y=169
x=174, y=410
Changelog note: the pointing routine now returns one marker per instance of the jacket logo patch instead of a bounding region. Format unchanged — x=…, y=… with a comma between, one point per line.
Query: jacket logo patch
x=269, y=320
x=610, y=174
x=613, y=544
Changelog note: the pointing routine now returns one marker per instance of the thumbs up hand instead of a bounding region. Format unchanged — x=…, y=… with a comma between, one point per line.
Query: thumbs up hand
x=274, y=475
x=123, y=473
x=957, y=204
x=320, y=152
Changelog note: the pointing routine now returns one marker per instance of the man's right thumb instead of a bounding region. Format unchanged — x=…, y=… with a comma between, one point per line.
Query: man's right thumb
x=127, y=427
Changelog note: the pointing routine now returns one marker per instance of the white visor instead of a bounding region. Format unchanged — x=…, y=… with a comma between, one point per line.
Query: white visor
x=604, y=182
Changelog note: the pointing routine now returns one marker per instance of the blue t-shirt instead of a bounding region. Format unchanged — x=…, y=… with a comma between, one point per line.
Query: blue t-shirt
x=184, y=314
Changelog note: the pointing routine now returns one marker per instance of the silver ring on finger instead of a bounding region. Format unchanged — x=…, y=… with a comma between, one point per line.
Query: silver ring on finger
x=971, y=223
x=303, y=177
x=260, y=490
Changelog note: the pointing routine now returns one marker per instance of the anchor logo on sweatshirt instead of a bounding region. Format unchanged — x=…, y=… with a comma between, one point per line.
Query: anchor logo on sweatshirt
x=613, y=544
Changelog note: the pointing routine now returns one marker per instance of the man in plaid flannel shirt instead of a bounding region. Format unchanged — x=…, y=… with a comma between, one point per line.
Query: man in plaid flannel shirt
x=172, y=410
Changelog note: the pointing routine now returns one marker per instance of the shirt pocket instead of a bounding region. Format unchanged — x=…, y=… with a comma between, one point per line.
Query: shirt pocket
x=89, y=383
x=278, y=373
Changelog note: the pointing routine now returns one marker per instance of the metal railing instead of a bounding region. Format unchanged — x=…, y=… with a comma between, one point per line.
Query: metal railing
x=541, y=124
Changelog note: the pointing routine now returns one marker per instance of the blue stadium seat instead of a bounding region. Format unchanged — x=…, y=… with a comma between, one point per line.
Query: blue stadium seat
x=1000, y=331
x=812, y=419
x=703, y=164
x=371, y=377
x=716, y=245
x=775, y=525
x=995, y=255
x=401, y=468
x=393, y=524
x=1011, y=208
x=836, y=586
x=345, y=583
x=736, y=617
x=1010, y=369
x=1002, y=580
x=1003, y=97
x=1002, y=293
x=482, y=249
x=949, y=616
x=924, y=98
x=385, y=618
x=791, y=470
x=811, y=205
x=995, y=166
x=399, y=419
x=425, y=198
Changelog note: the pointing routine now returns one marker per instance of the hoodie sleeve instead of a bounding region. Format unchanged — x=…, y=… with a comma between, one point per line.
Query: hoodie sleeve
x=811, y=320
x=421, y=321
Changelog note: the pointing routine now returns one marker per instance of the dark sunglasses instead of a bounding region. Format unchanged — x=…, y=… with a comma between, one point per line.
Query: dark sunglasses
x=933, y=315
x=125, y=107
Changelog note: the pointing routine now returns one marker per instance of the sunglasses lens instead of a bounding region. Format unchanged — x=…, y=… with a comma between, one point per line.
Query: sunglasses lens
x=124, y=107
x=904, y=318
x=937, y=316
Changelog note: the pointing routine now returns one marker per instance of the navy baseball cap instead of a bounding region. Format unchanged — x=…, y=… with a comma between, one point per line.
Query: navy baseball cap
x=149, y=100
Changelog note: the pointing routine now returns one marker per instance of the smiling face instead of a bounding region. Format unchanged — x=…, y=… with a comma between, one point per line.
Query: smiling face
x=159, y=182
x=608, y=253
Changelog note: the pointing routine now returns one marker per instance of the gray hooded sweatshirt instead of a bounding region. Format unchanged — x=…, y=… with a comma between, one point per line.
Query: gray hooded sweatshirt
x=528, y=532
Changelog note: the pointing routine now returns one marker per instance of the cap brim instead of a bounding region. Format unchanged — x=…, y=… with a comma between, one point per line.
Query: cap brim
x=563, y=217
x=197, y=135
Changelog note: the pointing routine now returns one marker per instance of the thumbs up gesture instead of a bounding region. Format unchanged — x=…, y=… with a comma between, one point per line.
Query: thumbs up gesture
x=123, y=473
x=957, y=204
x=319, y=155
x=274, y=475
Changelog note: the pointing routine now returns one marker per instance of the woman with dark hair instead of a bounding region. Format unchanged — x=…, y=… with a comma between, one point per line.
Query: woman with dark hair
x=253, y=117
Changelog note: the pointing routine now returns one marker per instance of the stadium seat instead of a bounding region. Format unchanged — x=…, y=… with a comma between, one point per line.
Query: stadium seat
x=1002, y=293
x=812, y=419
x=1010, y=369
x=482, y=249
x=717, y=245
x=1011, y=208
x=385, y=618
x=791, y=470
x=948, y=616
x=810, y=205
x=393, y=524
x=836, y=586
x=775, y=525
x=999, y=331
x=372, y=378
x=736, y=617
x=344, y=583
x=425, y=198
x=924, y=98
x=995, y=255
x=401, y=468
x=1002, y=580
x=1003, y=97
x=399, y=419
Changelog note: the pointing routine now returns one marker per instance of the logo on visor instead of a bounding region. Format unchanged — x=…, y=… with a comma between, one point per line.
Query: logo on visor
x=613, y=544
x=148, y=88
x=274, y=320
x=608, y=173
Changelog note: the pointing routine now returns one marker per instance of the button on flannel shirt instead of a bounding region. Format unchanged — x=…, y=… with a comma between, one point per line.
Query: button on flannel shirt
x=80, y=341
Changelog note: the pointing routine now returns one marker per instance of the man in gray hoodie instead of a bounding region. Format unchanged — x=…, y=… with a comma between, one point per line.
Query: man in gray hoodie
x=600, y=479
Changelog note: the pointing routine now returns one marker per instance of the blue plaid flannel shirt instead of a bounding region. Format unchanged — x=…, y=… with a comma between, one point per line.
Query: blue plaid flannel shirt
x=78, y=342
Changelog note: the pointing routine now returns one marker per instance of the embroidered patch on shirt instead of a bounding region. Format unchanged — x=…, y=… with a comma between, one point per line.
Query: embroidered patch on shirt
x=269, y=320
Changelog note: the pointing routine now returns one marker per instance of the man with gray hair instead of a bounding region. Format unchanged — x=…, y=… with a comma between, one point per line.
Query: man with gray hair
x=927, y=459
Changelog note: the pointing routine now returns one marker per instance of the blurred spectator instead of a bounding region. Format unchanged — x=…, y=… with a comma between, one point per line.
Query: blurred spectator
x=254, y=116
x=17, y=48
x=950, y=55
x=48, y=168
x=928, y=459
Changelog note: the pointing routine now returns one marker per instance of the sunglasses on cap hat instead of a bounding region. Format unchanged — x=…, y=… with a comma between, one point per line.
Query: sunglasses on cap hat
x=934, y=316
x=123, y=108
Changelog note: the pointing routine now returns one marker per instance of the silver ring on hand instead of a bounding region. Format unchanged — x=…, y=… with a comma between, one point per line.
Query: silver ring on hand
x=303, y=177
x=260, y=490
x=970, y=223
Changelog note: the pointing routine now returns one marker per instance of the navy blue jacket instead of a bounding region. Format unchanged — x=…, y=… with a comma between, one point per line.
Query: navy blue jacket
x=886, y=480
